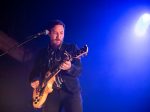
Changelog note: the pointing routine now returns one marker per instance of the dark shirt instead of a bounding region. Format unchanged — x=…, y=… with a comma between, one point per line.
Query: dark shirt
x=49, y=59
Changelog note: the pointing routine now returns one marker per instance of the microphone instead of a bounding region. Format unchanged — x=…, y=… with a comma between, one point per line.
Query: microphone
x=45, y=32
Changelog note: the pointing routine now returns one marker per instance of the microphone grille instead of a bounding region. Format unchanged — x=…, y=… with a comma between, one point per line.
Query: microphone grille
x=46, y=32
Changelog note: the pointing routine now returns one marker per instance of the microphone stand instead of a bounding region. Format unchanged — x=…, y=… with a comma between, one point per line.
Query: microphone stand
x=21, y=44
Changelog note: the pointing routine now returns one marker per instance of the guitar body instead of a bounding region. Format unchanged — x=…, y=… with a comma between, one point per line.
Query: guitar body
x=40, y=97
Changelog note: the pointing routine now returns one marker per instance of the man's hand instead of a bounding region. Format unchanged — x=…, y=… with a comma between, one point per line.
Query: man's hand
x=66, y=65
x=35, y=84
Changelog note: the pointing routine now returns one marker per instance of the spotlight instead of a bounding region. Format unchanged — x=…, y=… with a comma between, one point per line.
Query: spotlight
x=142, y=25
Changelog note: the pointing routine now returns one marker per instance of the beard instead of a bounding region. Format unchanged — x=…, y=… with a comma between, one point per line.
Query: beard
x=56, y=43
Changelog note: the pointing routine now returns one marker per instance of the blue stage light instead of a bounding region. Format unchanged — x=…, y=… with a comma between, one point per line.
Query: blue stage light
x=142, y=25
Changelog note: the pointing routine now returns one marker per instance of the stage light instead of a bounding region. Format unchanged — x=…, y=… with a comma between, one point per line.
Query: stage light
x=142, y=25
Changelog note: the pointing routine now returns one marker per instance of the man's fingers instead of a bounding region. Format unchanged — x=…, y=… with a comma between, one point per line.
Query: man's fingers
x=66, y=65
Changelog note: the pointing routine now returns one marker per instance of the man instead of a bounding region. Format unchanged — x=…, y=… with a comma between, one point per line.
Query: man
x=66, y=88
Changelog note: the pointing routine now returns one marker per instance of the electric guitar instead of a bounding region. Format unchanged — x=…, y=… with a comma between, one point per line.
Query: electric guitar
x=41, y=92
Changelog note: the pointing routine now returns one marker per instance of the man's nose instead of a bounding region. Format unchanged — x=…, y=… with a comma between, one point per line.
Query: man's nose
x=58, y=36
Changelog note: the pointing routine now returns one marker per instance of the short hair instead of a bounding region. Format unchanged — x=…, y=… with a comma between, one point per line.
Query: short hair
x=55, y=22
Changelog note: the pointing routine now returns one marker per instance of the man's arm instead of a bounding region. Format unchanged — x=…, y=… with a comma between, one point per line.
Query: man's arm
x=72, y=68
x=75, y=69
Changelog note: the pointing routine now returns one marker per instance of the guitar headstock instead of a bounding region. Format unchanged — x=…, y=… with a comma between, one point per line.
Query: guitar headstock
x=81, y=52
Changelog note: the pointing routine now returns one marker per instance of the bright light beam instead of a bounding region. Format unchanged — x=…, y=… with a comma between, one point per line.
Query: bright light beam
x=142, y=25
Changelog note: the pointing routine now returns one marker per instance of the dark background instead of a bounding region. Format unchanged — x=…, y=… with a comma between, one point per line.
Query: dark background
x=115, y=78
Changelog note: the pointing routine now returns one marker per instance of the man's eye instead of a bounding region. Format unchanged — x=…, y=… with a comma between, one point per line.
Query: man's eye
x=54, y=33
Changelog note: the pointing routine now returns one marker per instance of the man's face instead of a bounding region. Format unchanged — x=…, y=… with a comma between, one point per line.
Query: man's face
x=57, y=35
